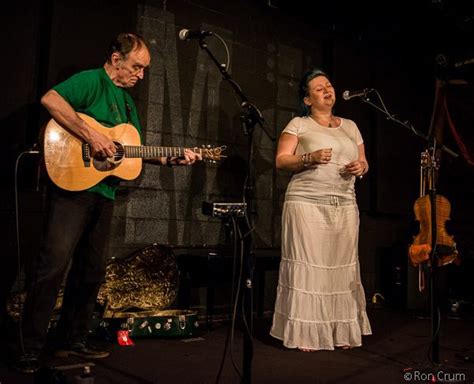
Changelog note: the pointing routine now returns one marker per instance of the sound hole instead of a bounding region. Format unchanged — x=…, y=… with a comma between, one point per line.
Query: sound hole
x=110, y=163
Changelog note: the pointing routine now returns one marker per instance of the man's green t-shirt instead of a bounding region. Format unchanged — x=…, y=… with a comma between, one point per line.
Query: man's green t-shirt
x=93, y=93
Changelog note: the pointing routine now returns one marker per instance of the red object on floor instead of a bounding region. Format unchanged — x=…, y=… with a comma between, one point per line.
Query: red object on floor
x=124, y=339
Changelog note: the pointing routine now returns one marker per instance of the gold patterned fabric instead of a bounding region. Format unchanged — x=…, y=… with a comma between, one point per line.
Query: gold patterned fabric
x=145, y=280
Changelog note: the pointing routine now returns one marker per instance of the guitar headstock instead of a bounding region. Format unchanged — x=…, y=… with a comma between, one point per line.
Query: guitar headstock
x=211, y=154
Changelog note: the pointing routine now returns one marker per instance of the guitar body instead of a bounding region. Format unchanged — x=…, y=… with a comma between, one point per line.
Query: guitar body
x=69, y=166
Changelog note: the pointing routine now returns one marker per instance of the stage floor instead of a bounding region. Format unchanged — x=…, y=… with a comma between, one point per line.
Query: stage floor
x=397, y=352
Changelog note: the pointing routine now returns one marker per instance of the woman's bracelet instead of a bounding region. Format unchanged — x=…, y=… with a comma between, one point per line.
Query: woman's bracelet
x=306, y=160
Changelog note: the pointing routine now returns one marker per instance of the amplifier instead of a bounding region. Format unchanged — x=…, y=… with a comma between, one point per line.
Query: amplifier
x=224, y=209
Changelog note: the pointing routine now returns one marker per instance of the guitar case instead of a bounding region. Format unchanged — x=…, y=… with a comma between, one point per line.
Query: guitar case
x=172, y=323
x=137, y=293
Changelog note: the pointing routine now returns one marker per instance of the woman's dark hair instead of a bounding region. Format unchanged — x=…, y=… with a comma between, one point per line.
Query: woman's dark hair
x=125, y=43
x=303, y=88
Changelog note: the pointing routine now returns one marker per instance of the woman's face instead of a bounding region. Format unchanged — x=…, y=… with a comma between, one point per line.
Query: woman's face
x=321, y=95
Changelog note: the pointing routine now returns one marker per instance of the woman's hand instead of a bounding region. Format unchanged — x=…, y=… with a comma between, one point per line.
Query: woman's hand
x=322, y=156
x=356, y=168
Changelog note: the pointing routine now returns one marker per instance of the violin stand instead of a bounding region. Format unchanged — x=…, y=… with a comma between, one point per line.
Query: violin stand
x=429, y=165
x=436, y=249
x=434, y=303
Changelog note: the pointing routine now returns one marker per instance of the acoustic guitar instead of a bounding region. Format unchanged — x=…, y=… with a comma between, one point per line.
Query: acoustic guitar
x=71, y=166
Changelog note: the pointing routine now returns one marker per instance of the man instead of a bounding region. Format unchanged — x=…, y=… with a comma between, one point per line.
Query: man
x=79, y=222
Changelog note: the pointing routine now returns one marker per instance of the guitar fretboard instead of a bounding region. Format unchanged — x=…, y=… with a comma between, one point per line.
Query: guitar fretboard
x=151, y=152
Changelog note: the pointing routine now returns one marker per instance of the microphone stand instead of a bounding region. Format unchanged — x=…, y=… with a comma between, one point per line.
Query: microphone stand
x=435, y=313
x=405, y=123
x=250, y=117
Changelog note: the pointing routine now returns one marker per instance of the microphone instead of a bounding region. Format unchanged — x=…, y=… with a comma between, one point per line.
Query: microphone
x=186, y=34
x=350, y=94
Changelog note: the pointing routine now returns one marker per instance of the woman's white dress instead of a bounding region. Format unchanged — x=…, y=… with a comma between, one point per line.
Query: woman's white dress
x=320, y=301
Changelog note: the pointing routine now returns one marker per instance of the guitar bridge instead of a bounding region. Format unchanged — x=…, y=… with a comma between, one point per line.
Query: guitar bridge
x=86, y=155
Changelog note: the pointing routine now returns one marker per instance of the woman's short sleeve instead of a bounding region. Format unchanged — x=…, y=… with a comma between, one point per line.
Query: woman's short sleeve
x=292, y=127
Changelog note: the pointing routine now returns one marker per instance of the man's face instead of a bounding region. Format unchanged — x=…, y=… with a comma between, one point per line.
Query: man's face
x=131, y=68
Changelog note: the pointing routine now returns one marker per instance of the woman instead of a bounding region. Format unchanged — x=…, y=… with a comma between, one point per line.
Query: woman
x=320, y=299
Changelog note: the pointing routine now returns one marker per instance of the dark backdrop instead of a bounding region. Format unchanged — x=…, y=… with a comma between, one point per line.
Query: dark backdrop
x=400, y=50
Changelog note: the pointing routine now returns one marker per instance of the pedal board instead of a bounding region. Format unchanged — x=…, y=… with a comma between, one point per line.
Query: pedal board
x=223, y=210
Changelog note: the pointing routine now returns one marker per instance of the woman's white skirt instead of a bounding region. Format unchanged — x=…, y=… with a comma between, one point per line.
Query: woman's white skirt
x=320, y=301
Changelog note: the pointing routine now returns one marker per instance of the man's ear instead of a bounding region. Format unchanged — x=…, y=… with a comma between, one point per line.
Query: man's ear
x=116, y=59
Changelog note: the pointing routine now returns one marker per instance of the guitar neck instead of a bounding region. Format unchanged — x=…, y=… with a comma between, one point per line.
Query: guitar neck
x=148, y=152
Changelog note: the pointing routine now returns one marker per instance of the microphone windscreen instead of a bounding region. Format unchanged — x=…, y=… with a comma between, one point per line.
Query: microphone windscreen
x=183, y=34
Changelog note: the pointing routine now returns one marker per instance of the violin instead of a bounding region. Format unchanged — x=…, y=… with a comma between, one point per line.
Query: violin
x=445, y=246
